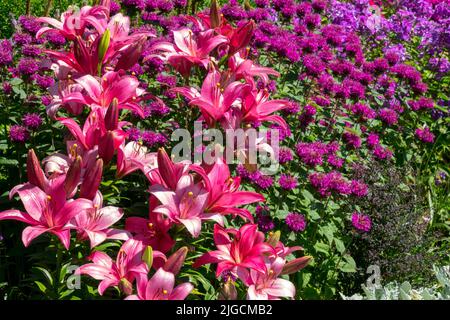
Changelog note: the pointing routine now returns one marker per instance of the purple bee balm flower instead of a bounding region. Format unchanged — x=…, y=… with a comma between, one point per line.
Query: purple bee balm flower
x=46, y=100
x=32, y=121
x=7, y=88
x=335, y=161
x=29, y=24
x=312, y=153
x=265, y=223
x=43, y=81
x=134, y=134
x=296, y=222
x=425, y=135
x=55, y=38
x=5, y=52
x=28, y=66
x=285, y=155
x=114, y=8
x=361, y=222
x=288, y=182
x=18, y=133
x=372, y=140
x=241, y=171
x=359, y=188
x=352, y=139
x=388, y=116
x=22, y=38
x=264, y=182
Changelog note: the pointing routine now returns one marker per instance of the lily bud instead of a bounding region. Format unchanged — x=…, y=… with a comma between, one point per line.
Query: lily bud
x=106, y=147
x=34, y=171
x=92, y=180
x=73, y=176
x=214, y=14
x=166, y=168
x=125, y=286
x=241, y=37
x=274, y=238
x=175, y=261
x=228, y=291
x=131, y=55
x=296, y=265
x=112, y=115
x=147, y=256
x=103, y=46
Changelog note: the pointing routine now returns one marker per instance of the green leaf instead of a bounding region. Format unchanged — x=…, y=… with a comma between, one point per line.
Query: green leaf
x=340, y=247
x=322, y=247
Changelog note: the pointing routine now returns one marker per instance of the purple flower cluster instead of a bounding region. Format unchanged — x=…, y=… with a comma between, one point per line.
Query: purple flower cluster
x=361, y=222
x=296, y=222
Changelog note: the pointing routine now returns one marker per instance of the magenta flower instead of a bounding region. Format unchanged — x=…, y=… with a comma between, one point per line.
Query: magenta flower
x=238, y=254
x=296, y=222
x=425, y=135
x=215, y=97
x=288, y=182
x=95, y=222
x=18, y=133
x=224, y=195
x=73, y=23
x=153, y=231
x=134, y=156
x=267, y=285
x=123, y=271
x=160, y=287
x=189, y=49
x=185, y=205
x=361, y=222
x=46, y=212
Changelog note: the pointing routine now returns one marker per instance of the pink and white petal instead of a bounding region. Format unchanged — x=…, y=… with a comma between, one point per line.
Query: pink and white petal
x=281, y=288
x=193, y=225
x=16, y=215
x=64, y=236
x=117, y=234
x=181, y=291
x=32, y=232
x=95, y=237
x=105, y=284
x=161, y=280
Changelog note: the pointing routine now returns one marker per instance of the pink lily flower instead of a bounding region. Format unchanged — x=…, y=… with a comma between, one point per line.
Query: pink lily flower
x=134, y=156
x=113, y=86
x=153, y=231
x=167, y=173
x=224, y=195
x=123, y=271
x=256, y=107
x=94, y=223
x=60, y=91
x=242, y=68
x=267, y=286
x=189, y=49
x=96, y=135
x=185, y=205
x=74, y=22
x=160, y=287
x=46, y=212
x=215, y=98
x=245, y=251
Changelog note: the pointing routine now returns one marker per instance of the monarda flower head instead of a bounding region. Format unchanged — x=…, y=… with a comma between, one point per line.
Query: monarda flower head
x=288, y=182
x=32, y=120
x=18, y=133
x=425, y=135
x=296, y=222
x=361, y=222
